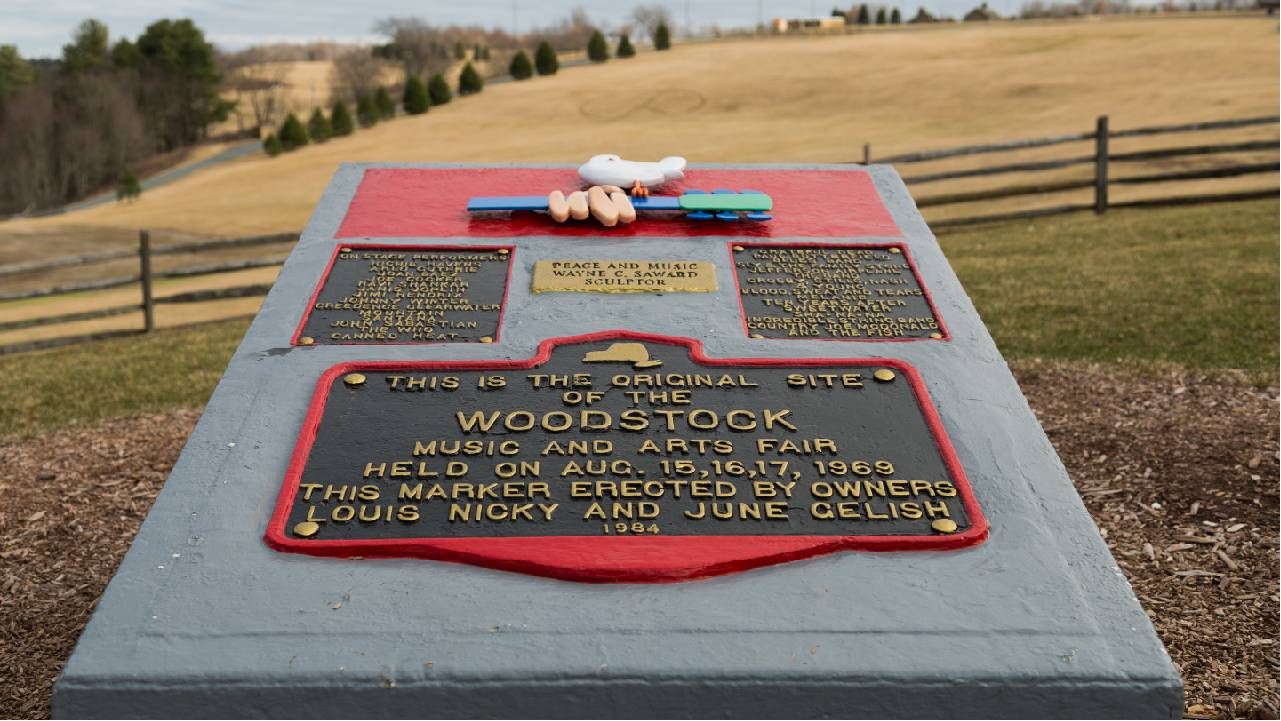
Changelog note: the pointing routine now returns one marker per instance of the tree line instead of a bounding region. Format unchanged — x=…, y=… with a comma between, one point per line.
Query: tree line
x=76, y=125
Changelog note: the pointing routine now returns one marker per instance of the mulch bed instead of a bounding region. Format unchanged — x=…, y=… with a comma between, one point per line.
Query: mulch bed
x=1180, y=472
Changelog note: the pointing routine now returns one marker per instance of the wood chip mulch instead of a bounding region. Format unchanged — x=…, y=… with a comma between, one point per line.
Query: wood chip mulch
x=1180, y=471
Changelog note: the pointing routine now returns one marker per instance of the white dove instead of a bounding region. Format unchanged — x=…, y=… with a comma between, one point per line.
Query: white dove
x=613, y=170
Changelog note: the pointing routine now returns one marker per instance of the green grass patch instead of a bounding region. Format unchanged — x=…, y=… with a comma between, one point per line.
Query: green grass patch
x=1195, y=286
x=137, y=375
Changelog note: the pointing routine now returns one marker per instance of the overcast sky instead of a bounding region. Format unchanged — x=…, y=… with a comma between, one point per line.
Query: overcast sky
x=40, y=27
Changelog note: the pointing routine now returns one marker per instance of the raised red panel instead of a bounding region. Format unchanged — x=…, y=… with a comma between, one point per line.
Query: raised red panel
x=432, y=202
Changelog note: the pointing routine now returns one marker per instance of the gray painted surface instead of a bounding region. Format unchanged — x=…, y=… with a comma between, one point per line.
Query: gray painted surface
x=203, y=619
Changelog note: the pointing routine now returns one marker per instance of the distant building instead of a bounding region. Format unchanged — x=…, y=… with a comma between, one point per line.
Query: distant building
x=808, y=25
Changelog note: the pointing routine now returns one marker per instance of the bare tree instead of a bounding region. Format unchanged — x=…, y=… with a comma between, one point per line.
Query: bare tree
x=649, y=16
x=355, y=73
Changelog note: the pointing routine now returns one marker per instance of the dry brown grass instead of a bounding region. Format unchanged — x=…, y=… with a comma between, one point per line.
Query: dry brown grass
x=778, y=99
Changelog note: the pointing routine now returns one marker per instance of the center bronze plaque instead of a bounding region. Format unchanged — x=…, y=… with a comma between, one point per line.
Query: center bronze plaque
x=622, y=457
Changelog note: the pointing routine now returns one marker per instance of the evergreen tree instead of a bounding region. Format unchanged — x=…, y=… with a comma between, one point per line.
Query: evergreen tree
x=896, y=17
x=625, y=49
x=864, y=17
x=521, y=68
x=366, y=111
x=438, y=90
x=88, y=50
x=319, y=127
x=545, y=59
x=460, y=52
x=416, y=100
x=880, y=16
x=129, y=188
x=272, y=145
x=383, y=103
x=484, y=53
x=469, y=81
x=14, y=71
x=662, y=37
x=340, y=120
x=292, y=133
x=597, y=50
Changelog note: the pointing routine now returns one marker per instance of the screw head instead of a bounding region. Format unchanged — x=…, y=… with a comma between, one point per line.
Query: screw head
x=503, y=251
x=354, y=379
x=306, y=529
x=936, y=335
x=944, y=525
x=306, y=340
x=895, y=250
x=486, y=339
x=884, y=375
x=738, y=249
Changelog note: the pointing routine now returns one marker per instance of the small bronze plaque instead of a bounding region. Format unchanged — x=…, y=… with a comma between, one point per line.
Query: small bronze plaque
x=408, y=294
x=830, y=292
x=622, y=457
x=587, y=275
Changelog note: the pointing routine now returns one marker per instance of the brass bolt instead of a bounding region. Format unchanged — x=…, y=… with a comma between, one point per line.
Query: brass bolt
x=354, y=379
x=944, y=525
x=884, y=375
x=757, y=335
x=486, y=339
x=738, y=249
x=936, y=335
x=503, y=251
x=306, y=340
x=346, y=250
x=895, y=250
x=306, y=529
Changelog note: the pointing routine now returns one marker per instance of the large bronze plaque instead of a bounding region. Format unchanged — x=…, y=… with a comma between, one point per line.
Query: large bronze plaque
x=622, y=457
x=408, y=294
x=623, y=275
x=829, y=292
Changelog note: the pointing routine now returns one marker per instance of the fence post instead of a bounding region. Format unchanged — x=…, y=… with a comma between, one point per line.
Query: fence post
x=867, y=153
x=1101, y=165
x=144, y=274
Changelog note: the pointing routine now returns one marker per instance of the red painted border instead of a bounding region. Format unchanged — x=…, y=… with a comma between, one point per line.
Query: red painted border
x=617, y=559
x=333, y=258
x=907, y=255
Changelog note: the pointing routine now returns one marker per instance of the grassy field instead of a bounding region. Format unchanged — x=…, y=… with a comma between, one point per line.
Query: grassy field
x=1195, y=287
x=772, y=99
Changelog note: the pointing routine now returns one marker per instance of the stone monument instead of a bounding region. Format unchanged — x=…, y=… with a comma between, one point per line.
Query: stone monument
x=488, y=464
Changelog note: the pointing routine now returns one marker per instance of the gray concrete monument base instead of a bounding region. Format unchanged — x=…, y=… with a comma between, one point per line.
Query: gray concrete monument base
x=203, y=619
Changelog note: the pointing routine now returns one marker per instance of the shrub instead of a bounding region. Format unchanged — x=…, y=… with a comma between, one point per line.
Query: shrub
x=597, y=50
x=271, y=146
x=545, y=59
x=521, y=68
x=383, y=103
x=416, y=98
x=896, y=17
x=438, y=90
x=662, y=37
x=625, y=49
x=864, y=17
x=340, y=120
x=366, y=111
x=880, y=16
x=292, y=133
x=319, y=127
x=460, y=51
x=129, y=187
x=469, y=81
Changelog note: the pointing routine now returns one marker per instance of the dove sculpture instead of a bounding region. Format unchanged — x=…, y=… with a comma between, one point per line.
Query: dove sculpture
x=638, y=176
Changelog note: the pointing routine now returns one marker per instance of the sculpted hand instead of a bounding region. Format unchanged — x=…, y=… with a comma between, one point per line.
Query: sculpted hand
x=607, y=203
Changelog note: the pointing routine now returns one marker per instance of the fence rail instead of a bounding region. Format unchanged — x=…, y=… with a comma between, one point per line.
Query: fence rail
x=1101, y=159
x=145, y=278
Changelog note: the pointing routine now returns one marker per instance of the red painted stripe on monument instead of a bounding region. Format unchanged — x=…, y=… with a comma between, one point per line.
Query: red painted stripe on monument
x=432, y=202
x=632, y=559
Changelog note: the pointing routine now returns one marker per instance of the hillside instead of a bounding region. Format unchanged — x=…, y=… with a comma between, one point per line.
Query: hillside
x=773, y=99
